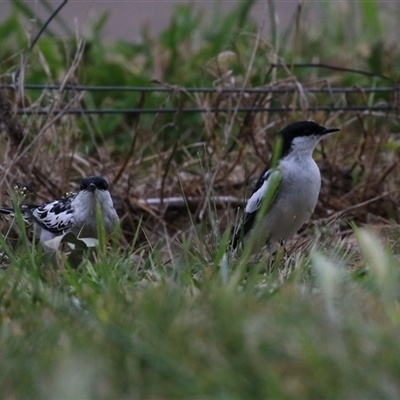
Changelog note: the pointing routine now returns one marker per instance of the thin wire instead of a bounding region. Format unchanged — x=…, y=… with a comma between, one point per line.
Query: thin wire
x=208, y=110
x=164, y=89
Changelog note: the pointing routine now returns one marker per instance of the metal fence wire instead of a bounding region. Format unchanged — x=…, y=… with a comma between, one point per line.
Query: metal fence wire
x=263, y=103
x=263, y=99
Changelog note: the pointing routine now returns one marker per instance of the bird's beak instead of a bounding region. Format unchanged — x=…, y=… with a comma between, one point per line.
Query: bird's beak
x=92, y=187
x=330, y=130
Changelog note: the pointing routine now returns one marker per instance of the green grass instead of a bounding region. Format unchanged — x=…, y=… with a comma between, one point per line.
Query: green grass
x=161, y=312
x=311, y=328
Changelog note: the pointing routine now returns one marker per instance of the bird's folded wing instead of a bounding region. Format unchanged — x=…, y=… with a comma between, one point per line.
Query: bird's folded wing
x=55, y=217
x=265, y=190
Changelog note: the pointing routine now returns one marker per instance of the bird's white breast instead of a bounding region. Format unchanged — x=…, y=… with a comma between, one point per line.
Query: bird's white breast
x=85, y=213
x=296, y=199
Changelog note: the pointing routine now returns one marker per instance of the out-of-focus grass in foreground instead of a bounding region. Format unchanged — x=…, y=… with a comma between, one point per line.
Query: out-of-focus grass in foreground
x=124, y=327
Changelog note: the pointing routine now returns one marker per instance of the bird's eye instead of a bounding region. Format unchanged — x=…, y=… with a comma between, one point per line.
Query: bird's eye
x=102, y=184
x=98, y=182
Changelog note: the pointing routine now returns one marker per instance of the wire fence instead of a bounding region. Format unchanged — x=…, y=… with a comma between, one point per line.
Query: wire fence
x=389, y=104
x=301, y=104
x=207, y=110
x=171, y=89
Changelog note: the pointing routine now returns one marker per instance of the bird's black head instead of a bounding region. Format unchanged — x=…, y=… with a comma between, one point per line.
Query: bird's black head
x=302, y=129
x=93, y=183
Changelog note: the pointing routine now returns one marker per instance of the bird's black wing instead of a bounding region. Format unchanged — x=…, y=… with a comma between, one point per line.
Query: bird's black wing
x=262, y=178
x=243, y=228
x=269, y=178
x=56, y=216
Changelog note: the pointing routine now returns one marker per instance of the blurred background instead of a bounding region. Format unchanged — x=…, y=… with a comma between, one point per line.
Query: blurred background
x=127, y=19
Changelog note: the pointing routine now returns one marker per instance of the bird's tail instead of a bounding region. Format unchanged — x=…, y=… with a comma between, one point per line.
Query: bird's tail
x=236, y=238
x=9, y=212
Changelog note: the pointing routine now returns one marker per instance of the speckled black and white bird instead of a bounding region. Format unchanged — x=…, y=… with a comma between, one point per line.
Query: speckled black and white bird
x=75, y=213
x=297, y=190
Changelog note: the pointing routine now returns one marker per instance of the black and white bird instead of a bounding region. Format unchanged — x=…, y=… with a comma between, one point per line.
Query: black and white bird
x=75, y=213
x=297, y=180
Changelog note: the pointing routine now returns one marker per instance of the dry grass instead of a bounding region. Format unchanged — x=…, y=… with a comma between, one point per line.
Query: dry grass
x=219, y=158
x=44, y=153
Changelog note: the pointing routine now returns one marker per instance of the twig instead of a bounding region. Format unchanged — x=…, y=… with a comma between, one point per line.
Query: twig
x=18, y=158
x=339, y=214
x=334, y=68
x=36, y=38
x=133, y=143
x=169, y=161
x=179, y=202
x=247, y=76
x=14, y=130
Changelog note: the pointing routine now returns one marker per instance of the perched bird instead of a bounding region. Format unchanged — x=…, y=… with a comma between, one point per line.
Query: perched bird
x=75, y=213
x=297, y=180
